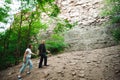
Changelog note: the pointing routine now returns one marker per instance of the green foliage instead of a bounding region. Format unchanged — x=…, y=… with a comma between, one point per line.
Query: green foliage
x=8, y=1
x=37, y=27
x=45, y=5
x=10, y=55
x=115, y=19
x=55, y=43
x=4, y=11
x=112, y=10
x=3, y=14
x=7, y=61
x=116, y=34
x=63, y=26
x=26, y=26
x=56, y=11
x=43, y=2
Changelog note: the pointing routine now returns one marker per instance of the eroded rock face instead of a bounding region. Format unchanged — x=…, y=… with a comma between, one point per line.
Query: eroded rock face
x=88, y=38
x=90, y=33
x=85, y=12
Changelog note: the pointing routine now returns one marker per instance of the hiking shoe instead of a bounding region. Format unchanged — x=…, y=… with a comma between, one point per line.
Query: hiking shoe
x=28, y=72
x=40, y=67
x=46, y=65
x=19, y=77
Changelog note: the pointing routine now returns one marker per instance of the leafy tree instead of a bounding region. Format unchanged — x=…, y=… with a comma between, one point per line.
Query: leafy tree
x=4, y=11
x=56, y=42
x=24, y=29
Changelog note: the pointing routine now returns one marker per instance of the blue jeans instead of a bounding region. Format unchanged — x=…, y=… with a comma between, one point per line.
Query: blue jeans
x=28, y=62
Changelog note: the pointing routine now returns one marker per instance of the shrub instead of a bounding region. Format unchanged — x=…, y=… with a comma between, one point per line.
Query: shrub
x=116, y=34
x=112, y=10
x=55, y=43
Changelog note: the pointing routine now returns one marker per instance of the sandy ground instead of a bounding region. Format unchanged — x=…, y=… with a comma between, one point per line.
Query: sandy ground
x=99, y=64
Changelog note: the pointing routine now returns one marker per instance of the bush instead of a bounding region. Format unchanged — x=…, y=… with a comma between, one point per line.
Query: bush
x=112, y=10
x=116, y=34
x=56, y=43
x=7, y=61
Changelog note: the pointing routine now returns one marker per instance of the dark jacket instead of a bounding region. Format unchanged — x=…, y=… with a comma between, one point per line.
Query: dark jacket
x=42, y=48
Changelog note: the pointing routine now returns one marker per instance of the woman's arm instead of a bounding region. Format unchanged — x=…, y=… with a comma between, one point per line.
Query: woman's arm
x=24, y=57
x=33, y=53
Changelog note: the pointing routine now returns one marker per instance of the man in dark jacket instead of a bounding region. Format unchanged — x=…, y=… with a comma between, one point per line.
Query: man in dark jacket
x=42, y=53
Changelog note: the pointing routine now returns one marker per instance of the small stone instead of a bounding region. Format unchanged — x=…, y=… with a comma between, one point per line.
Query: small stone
x=47, y=74
x=118, y=71
x=73, y=63
x=94, y=60
x=59, y=71
x=81, y=75
x=73, y=73
x=10, y=73
x=64, y=67
x=88, y=61
x=58, y=57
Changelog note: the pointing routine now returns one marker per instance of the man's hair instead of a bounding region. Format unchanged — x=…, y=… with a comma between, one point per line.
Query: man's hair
x=42, y=41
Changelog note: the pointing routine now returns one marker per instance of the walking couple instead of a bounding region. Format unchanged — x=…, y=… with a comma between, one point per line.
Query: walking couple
x=27, y=58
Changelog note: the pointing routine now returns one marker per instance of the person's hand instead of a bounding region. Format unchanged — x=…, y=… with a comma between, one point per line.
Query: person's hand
x=48, y=51
x=24, y=60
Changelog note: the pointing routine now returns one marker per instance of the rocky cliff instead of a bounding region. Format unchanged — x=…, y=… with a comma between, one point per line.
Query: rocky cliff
x=90, y=33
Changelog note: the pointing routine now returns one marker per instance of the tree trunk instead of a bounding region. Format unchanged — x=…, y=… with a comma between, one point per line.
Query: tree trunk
x=19, y=37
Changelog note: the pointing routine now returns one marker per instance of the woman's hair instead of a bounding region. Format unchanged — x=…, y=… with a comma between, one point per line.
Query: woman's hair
x=29, y=46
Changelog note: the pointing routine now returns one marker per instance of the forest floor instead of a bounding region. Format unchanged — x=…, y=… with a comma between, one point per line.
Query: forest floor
x=98, y=64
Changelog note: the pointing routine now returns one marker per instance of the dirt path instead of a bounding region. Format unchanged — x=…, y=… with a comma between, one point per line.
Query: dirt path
x=99, y=64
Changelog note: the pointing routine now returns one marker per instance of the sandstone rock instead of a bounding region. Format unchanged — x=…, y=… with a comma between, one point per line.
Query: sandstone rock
x=87, y=39
x=88, y=34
